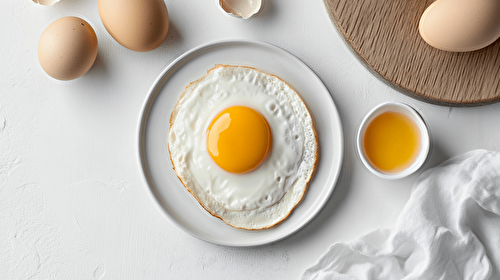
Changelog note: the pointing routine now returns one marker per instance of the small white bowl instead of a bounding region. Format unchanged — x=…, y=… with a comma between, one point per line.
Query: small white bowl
x=424, y=138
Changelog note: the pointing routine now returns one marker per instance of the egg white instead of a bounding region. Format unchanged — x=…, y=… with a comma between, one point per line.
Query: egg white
x=263, y=197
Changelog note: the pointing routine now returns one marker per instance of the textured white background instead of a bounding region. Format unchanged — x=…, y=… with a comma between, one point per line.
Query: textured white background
x=73, y=203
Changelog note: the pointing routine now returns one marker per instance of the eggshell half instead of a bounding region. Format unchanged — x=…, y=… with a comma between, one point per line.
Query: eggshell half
x=45, y=2
x=240, y=8
x=67, y=48
x=137, y=25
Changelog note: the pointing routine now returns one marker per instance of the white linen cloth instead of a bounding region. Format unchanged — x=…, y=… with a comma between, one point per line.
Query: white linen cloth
x=449, y=229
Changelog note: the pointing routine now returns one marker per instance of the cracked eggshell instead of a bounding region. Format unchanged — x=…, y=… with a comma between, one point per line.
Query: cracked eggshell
x=67, y=48
x=240, y=8
x=137, y=25
x=45, y=2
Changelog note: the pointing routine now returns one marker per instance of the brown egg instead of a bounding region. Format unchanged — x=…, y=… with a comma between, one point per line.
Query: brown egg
x=461, y=25
x=137, y=25
x=67, y=48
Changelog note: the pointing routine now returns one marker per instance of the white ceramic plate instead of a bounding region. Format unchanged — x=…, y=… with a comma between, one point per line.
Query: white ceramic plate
x=166, y=188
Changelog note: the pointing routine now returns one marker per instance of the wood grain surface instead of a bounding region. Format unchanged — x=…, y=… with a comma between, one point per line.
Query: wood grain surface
x=384, y=34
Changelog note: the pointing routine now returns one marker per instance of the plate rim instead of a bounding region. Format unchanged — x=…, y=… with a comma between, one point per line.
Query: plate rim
x=152, y=95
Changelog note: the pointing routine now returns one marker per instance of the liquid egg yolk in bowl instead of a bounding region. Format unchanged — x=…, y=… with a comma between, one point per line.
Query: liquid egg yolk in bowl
x=391, y=142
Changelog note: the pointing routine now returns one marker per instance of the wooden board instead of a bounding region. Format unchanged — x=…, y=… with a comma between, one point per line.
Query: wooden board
x=384, y=34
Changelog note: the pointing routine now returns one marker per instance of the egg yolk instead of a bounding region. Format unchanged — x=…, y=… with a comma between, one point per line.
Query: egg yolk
x=239, y=139
x=391, y=142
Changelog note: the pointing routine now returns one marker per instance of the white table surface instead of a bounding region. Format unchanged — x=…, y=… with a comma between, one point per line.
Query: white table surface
x=73, y=201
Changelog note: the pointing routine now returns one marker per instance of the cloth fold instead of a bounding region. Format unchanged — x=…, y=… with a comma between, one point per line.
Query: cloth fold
x=449, y=229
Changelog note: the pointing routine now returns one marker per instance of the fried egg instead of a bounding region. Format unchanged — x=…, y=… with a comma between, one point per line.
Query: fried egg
x=243, y=144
